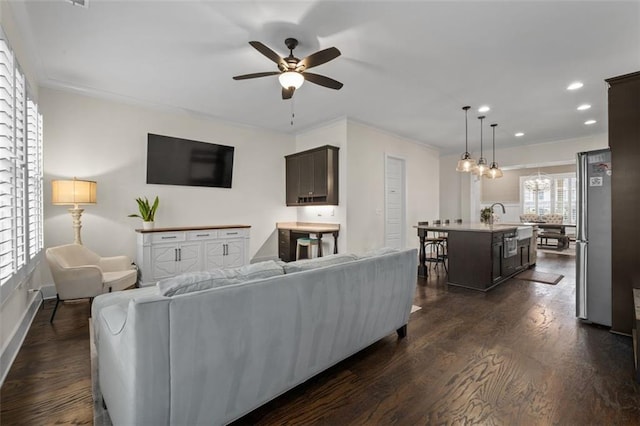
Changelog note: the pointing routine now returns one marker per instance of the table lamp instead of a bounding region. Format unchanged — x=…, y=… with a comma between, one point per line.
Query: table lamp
x=74, y=192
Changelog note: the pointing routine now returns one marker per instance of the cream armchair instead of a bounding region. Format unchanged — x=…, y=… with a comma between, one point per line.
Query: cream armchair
x=79, y=273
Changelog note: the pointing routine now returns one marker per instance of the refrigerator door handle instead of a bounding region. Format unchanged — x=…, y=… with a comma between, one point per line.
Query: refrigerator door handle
x=581, y=279
x=581, y=172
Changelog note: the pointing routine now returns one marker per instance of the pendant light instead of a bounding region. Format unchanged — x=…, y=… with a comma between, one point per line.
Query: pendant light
x=494, y=171
x=466, y=163
x=482, y=167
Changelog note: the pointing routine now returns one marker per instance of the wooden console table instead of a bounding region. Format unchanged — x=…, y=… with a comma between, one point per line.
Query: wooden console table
x=289, y=232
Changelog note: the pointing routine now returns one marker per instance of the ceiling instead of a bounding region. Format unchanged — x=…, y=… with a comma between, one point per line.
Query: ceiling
x=407, y=67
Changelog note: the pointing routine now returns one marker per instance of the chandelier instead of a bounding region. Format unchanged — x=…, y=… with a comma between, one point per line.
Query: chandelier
x=537, y=182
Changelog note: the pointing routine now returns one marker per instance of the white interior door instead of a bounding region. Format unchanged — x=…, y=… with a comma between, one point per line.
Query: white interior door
x=394, y=202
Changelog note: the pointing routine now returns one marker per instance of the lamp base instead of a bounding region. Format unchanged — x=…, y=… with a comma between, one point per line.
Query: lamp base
x=76, y=214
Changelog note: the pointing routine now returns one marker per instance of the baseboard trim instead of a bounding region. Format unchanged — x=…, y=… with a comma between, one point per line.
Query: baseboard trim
x=10, y=352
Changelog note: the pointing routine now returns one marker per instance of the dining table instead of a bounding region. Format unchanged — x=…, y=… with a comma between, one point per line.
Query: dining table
x=557, y=231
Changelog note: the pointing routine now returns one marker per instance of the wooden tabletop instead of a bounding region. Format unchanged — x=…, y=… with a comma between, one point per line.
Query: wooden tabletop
x=190, y=228
x=313, y=227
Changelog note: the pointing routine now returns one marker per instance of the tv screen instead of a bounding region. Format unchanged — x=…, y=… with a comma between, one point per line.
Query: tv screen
x=175, y=161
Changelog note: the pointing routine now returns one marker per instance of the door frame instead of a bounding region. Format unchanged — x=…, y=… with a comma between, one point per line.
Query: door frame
x=403, y=203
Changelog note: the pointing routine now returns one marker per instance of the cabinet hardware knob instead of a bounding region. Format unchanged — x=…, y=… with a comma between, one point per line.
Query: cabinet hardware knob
x=202, y=235
x=169, y=238
x=232, y=233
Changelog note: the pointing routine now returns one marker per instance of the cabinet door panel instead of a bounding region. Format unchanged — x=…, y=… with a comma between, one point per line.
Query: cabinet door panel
x=235, y=253
x=163, y=260
x=305, y=164
x=190, y=257
x=320, y=174
x=496, y=270
x=213, y=255
x=293, y=180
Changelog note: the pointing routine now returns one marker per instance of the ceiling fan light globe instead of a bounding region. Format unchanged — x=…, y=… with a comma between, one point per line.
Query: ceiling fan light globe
x=291, y=79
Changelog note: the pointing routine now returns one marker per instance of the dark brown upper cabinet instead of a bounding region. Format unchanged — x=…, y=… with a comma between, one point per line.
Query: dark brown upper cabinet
x=312, y=177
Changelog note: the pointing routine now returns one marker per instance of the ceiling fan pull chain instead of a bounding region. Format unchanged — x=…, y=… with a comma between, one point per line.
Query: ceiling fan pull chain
x=293, y=114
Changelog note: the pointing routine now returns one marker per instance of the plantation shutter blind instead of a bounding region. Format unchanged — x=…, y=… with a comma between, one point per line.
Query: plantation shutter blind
x=7, y=164
x=20, y=169
x=35, y=178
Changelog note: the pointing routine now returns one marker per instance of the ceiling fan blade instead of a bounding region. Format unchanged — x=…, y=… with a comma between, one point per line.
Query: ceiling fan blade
x=255, y=75
x=269, y=53
x=288, y=93
x=322, y=80
x=318, y=58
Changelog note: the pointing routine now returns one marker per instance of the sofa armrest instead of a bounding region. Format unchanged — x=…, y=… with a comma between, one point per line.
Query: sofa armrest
x=115, y=263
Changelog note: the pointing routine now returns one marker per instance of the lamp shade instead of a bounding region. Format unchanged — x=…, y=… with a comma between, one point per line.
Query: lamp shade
x=73, y=192
x=291, y=79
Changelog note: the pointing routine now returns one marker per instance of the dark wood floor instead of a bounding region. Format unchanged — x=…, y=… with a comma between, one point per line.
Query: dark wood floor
x=515, y=355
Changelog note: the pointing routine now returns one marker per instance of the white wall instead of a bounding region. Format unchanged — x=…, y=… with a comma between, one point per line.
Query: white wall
x=460, y=192
x=106, y=141
x=367, y=148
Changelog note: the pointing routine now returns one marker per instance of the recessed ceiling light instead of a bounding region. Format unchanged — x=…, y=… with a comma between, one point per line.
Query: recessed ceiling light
x=588, y=122
x=584, y=107
x=519, y=134
x=484, y=108
x=575, y=85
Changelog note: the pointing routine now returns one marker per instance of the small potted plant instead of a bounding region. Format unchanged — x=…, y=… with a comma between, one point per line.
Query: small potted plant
x=485, y=215
x=147, y=212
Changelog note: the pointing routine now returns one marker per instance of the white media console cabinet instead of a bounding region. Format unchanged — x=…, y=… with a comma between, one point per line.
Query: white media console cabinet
x=166, y=252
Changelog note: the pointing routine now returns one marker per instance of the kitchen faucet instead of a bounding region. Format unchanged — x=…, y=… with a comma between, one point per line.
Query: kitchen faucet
x=492, y=206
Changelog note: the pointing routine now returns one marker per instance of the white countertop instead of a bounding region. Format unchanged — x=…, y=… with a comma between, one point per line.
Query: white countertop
x=472, y=227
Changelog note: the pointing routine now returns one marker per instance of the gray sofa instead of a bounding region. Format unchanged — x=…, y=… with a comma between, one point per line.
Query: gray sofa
x=211, y=355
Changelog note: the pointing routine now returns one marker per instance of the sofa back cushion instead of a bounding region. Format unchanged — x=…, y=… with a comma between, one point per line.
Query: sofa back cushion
x=318, y=262
x=203, y=280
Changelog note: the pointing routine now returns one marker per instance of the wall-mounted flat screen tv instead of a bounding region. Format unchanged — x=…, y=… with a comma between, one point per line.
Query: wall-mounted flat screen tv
x=175, y=161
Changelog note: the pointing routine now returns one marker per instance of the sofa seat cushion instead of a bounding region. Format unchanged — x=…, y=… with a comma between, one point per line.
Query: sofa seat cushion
x=204, y=280
x=119, y=280
x=318, y=262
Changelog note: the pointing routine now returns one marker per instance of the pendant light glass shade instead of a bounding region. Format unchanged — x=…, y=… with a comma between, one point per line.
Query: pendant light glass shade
x=481, y=167
x=466, y=163
x=494, y=171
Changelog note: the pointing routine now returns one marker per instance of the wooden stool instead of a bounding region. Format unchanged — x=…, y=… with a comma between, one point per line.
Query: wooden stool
x=308, y=243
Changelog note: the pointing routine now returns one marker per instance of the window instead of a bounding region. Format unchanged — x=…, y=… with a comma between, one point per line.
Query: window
x=558, y=198
x=21, y=206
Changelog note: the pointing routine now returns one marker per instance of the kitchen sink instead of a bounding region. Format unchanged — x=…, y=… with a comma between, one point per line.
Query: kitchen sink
x=524, y=232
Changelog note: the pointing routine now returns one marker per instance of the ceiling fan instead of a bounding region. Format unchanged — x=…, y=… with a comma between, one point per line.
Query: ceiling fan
x=293, y=70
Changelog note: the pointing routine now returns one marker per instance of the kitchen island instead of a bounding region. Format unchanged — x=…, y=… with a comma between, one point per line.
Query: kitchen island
x=480, y=256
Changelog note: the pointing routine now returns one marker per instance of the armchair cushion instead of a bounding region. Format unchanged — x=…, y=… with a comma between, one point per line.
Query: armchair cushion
x=119, y=280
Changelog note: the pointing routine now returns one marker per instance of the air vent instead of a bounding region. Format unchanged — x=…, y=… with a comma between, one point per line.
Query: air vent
x=82, y=3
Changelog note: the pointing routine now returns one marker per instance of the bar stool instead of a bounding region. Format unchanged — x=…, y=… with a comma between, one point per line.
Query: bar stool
x=434, y=248
x=308, y=243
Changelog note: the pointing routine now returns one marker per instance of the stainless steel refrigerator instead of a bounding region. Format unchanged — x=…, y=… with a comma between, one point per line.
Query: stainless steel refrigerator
x=593, y=238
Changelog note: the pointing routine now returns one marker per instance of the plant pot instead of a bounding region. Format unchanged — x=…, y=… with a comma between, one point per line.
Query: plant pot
x=147, y=225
